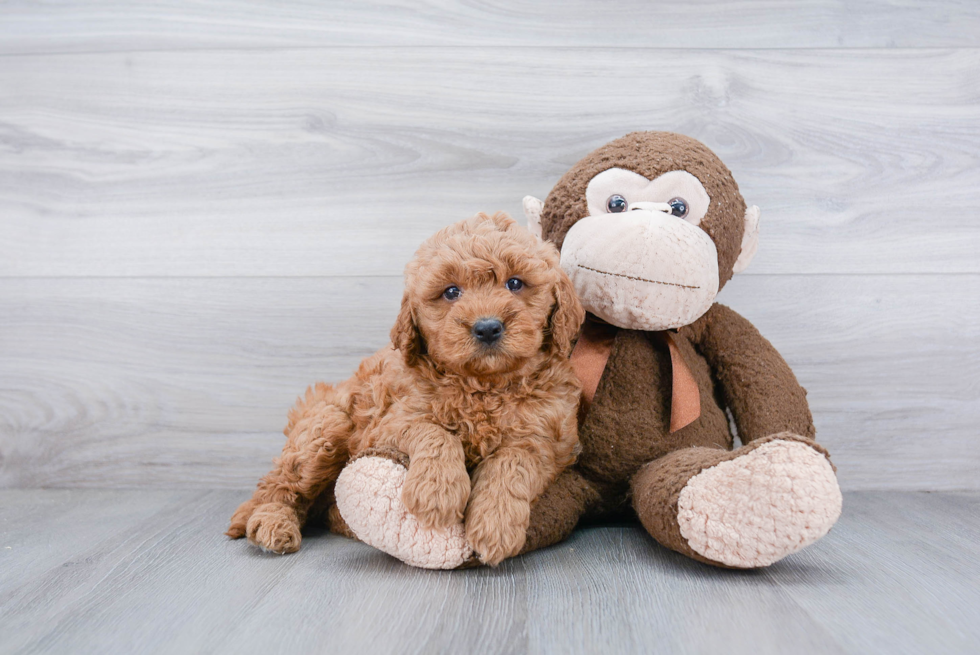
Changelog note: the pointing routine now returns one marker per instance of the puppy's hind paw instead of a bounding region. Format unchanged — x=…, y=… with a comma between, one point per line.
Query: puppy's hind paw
x=274, y=528
x=236, y=529
x=369, y=497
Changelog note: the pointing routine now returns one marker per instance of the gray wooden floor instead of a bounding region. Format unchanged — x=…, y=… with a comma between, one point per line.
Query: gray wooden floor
x=87, y=571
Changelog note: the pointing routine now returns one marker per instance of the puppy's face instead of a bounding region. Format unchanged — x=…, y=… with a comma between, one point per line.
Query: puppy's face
x=483, y=297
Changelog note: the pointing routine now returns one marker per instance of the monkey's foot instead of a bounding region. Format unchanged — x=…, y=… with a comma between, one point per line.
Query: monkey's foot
x=369, y=497
x=757, y=508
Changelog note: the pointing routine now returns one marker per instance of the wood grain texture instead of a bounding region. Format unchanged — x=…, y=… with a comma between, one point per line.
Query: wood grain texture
x=206, y=206
x=339, y=161
x=185, y=383
x=40, y=531
x=102, y=25
x=896, y=575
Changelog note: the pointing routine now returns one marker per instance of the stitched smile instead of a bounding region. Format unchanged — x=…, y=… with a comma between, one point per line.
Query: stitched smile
x=638, y=279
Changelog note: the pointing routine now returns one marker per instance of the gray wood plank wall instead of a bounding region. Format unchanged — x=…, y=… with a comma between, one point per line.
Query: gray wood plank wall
x=206, y=206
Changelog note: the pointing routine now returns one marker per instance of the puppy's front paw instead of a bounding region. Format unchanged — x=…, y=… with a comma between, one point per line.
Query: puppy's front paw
x=274, y=527
x=436, y=493
x=496, y=528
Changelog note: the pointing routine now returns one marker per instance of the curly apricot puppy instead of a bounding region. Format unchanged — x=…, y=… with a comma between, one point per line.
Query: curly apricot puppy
x=476, y=390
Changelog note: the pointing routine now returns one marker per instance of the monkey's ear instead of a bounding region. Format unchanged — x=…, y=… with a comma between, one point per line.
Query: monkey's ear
x=406, y=336
x=532, y=210
x=750, y=240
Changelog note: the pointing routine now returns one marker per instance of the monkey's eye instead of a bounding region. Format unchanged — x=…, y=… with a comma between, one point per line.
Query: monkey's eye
x=616, y=204
x=452, y=293
x=515, y=284
x=678, y=207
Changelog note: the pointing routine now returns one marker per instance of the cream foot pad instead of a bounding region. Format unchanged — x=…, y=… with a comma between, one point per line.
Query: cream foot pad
x=369, y=497
x=755, y=509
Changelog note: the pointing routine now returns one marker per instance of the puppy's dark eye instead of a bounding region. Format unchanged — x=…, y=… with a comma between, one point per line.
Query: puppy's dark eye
x=515, y=284
x=616, y=204
x=678, y=207
x=452, y=293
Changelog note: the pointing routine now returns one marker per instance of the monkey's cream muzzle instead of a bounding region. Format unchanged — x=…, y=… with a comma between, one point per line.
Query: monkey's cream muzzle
x=642, y=269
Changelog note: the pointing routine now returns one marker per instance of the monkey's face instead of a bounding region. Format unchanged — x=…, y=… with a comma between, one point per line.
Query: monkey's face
x=639, y=259
x=650, y=228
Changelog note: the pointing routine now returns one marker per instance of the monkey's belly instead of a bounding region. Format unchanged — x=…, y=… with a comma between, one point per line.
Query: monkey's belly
x=628, y=423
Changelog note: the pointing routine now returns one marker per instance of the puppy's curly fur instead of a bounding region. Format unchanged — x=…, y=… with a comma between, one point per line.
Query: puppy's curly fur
x=486, y=428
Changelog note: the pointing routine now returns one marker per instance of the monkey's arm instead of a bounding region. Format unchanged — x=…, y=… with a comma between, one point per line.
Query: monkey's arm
x=755, y=381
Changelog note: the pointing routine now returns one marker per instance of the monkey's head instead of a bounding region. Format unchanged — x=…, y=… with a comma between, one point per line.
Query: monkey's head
x=650, y=227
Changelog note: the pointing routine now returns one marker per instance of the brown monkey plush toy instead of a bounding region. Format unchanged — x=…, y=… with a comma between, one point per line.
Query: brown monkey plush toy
x=650, y=228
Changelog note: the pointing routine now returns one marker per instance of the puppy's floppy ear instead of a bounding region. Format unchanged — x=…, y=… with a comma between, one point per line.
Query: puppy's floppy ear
x=566, y=316
x=406, y=336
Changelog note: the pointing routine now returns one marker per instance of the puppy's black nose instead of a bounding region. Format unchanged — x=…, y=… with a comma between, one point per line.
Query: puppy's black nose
x=488, y=330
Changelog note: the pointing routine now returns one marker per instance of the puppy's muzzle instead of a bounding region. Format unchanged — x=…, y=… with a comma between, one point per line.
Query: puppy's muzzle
x=488, y=331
